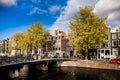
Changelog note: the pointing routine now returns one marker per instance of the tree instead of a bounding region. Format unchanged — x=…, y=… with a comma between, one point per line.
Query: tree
x=16, y=42
x=87, y=30
x=35, y=37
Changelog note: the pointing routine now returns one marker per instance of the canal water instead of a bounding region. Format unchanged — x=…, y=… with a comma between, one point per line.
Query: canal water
x=69, y=73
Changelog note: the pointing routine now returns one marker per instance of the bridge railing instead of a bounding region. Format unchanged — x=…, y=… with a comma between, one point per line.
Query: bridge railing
x=4, y=60
x=8, y=60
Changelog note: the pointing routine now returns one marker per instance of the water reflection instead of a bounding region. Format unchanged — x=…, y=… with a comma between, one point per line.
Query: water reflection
x=71, y=73
x=90, y=74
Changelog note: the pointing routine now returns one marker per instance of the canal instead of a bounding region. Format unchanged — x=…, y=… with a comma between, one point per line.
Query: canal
x=68, y=73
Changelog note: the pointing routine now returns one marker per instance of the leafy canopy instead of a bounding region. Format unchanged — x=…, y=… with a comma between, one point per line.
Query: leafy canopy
x=16, y=41
x=87, y=30
x=34, y=38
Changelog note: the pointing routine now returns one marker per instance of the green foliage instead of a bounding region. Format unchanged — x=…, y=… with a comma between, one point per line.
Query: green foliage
x=16, y=41
x=34, y=38
x=87, y=30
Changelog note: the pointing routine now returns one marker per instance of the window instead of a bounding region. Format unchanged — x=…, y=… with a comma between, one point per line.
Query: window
x=98, y=51
x=102, y=51
x=119, y=42
x=102, y=57
x=114, y=36
x=59, y=37
x=56, y=33
x=107, y=52
x=114, y=43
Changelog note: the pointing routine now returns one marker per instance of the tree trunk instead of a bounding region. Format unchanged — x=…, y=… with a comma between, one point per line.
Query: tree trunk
x=86, y=56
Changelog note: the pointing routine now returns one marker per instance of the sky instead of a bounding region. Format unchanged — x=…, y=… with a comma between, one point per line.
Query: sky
x=18, y=15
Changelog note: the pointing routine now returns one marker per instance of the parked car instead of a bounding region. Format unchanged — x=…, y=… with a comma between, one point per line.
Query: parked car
x=115, y=61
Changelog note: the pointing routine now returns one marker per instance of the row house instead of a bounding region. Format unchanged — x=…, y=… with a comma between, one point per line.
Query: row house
x=115, y=43
x=58, y=44
x=105, y=49
x=104, y=52
x=5, y=45
x=112, y=49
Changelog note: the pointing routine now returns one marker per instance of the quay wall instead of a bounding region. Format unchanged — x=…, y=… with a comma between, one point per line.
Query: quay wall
x=92, y=64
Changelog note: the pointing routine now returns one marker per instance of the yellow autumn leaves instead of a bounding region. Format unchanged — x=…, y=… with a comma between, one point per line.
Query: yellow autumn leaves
x=34, y=38
x=87, y=30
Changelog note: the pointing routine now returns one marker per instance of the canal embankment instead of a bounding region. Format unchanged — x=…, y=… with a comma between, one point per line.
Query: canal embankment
x=92, y=64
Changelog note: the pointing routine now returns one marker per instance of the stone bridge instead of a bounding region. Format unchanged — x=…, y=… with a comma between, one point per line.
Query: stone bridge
x=19, y=66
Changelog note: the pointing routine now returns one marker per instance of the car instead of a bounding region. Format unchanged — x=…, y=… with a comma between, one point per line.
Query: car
x=115, y=61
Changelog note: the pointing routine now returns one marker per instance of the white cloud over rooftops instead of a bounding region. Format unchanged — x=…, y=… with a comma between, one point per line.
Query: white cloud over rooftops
x=106, y=8
x=69, y=12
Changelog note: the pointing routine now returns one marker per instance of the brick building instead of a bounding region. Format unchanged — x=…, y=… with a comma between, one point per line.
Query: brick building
x=5, y=45
x=112, y=49
x=58, y=44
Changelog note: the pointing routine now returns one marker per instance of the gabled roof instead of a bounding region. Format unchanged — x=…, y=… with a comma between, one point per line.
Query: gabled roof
x=63, y=34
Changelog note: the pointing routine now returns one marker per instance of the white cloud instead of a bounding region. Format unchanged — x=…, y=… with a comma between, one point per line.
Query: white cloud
x=8, y=2
x=114, y=15
x=69, y=12
x=110, y=9
x=54, y=9
x=37, y=10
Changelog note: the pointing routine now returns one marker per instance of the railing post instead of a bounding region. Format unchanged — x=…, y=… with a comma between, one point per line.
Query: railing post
x=0, y=61
x=16, y=58
x=9, y=60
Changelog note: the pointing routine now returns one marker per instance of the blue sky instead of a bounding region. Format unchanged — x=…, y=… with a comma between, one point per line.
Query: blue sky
x=17, y=15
